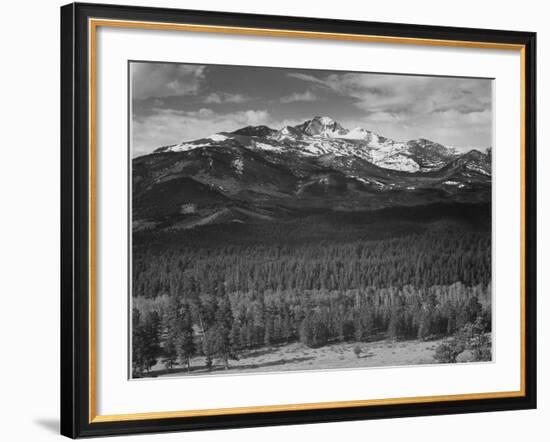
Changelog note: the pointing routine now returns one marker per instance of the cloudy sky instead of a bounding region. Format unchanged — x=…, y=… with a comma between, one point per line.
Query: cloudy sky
x=176, y=102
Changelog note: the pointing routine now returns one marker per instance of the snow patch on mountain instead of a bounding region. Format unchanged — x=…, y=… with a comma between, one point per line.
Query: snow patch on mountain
x=326, y=120
x=368, y=181
x=357, y=133
x=399, y=162
x=186, y=146
x=268, y=147
x=478, y=169
x=217, y=137
x=238, y=165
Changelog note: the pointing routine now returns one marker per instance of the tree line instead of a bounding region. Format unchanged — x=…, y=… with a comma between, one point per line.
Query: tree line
x=219, y=325
x=421, y=260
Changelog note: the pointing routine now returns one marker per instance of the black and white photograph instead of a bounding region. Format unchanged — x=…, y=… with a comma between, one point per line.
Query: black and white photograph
x=297, y=219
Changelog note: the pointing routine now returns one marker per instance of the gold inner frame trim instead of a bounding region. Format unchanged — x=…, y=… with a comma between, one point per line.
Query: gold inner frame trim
x=93, y=24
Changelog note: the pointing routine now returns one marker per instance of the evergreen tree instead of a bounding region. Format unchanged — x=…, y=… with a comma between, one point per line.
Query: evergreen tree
x=138, y=344
x=170, y=352
x=145, y=341
x=221, y=333
x=185, y=343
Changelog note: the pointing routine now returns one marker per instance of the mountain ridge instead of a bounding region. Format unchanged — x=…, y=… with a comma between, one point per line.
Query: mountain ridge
x=257, y=173
x=322, y=135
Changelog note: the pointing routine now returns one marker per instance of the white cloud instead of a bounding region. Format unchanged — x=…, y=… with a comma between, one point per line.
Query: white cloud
x=384, y=117
x=201, y=113
x=163, y=80
x=404, y=94
x=299, y=96
x=251, y=117
x=222, y=97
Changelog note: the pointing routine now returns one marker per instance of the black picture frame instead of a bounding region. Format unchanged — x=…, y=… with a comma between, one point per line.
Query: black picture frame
x=75, y=220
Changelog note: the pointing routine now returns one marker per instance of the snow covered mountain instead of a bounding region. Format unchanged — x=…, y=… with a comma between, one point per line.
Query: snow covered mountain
x=322, y=135
x=258, y=173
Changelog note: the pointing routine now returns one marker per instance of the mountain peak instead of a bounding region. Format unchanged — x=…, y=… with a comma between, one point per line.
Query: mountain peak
x=255, y=131
x=324, y=120
x=322, y=126
x=475, y=154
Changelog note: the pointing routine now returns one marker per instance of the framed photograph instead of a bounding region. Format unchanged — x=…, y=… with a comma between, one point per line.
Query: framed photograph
x=275, y=220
